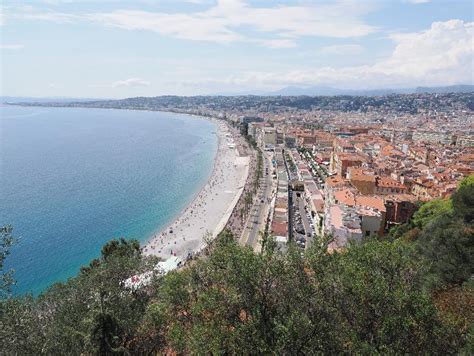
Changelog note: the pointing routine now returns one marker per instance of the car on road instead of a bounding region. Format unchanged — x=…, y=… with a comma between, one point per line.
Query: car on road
x=300, y=244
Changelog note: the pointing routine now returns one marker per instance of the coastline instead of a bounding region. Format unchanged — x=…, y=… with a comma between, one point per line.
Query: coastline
x=209, y=210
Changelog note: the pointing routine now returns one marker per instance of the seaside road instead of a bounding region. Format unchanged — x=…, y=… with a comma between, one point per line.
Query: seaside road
x=304, y=220
x=259, y=213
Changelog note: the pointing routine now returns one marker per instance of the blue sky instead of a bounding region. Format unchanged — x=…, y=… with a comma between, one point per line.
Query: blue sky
x=114, y=49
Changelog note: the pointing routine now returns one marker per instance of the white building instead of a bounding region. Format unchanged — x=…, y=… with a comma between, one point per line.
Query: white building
x=343, y=223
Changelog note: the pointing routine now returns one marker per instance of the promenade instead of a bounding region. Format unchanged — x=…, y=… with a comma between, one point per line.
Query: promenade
x=209, y=212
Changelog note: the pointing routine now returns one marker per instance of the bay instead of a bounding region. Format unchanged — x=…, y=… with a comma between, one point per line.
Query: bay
x=71, y=179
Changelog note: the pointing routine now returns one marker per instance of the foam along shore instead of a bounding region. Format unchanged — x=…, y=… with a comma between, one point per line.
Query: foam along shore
x=207, y=214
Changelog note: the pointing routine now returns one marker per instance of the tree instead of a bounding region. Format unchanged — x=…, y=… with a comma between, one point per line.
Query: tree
x=463, y=200
x=376, y=294
x=6, y=277
x=368, y=299
x=447, y=246
x=91, y=312
x=431, y=211
x=371, y=298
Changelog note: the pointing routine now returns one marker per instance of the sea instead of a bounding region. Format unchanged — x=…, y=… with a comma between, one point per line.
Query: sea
x=72, y=179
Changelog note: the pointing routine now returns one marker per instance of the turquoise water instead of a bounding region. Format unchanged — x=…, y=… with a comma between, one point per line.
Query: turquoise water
x=72, y=179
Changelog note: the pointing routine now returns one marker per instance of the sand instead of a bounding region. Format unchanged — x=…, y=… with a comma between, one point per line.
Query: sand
x=207, y=214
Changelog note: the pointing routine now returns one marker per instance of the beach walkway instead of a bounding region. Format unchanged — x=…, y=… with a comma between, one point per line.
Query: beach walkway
x=209, y=212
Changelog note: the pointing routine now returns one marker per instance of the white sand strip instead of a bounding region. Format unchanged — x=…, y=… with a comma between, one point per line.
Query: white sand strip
x=208, y=213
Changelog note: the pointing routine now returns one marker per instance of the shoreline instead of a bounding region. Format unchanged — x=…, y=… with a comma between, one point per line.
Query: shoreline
x=203, y=211
x=195, y=195
x=207, y=213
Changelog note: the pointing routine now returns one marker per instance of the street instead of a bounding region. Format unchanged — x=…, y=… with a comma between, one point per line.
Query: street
x=260, y=209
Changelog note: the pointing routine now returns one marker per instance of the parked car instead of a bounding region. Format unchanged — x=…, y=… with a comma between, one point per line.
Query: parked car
x=300, y=228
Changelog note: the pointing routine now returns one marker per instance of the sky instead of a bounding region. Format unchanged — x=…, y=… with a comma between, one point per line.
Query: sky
x=118, y=49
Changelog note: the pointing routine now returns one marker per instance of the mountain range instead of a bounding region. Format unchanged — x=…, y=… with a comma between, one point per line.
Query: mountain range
x=331, y=91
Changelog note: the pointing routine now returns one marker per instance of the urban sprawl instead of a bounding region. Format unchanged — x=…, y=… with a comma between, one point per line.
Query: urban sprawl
x=347, y=167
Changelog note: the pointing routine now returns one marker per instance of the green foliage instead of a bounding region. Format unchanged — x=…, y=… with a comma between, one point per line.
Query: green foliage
x=21, y=327
x=447, y=246
x=89, y=313
x=121, y=248
x=468, y=181
x=6, y=277
x=368, y=300
x=463, y=200
x=251, y=141
x=104, y=334
x=430, y=211
x=442, y=233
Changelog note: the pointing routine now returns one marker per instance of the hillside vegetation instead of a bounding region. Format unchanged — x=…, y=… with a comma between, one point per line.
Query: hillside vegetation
x=410, y=292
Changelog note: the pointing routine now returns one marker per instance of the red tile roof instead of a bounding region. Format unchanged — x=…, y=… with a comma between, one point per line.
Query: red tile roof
x=279, y=229
x=370, y=202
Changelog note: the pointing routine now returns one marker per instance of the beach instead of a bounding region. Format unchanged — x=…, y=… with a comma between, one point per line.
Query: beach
x=207, y=214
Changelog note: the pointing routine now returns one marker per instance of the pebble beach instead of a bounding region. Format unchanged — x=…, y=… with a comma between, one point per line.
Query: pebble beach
x=209, y=211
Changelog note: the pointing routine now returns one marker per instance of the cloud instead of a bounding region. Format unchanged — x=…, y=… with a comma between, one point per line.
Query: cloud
x=126, y=83
x=28, y=12
x=348, y=49
x=443, y=53
x=440, y=55
x=277, y=43
x=131, y=82
x=418, y=1
x=178, y=25
x=57, y=2
x=12, y=46
x=233, y=20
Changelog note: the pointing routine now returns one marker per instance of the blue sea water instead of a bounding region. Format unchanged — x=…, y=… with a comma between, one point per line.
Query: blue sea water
x=72, y=179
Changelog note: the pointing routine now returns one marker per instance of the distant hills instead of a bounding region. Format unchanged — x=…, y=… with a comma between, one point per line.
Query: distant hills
x=449, y=89
x=287, y=91
x=330, y=91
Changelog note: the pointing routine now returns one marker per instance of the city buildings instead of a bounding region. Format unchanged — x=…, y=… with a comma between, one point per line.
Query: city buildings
x=357, y=165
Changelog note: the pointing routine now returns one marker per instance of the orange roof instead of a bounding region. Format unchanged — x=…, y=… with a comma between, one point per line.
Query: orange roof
x=363, y=177
x=345, y=196
x=370, y=202
x=281, y=203
x=390, y=151
x=355, y=170
x=335, y=181
x=387, y=182
x=351, y=157
x=279, y=229
x=318, y=204
x=469, y=157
